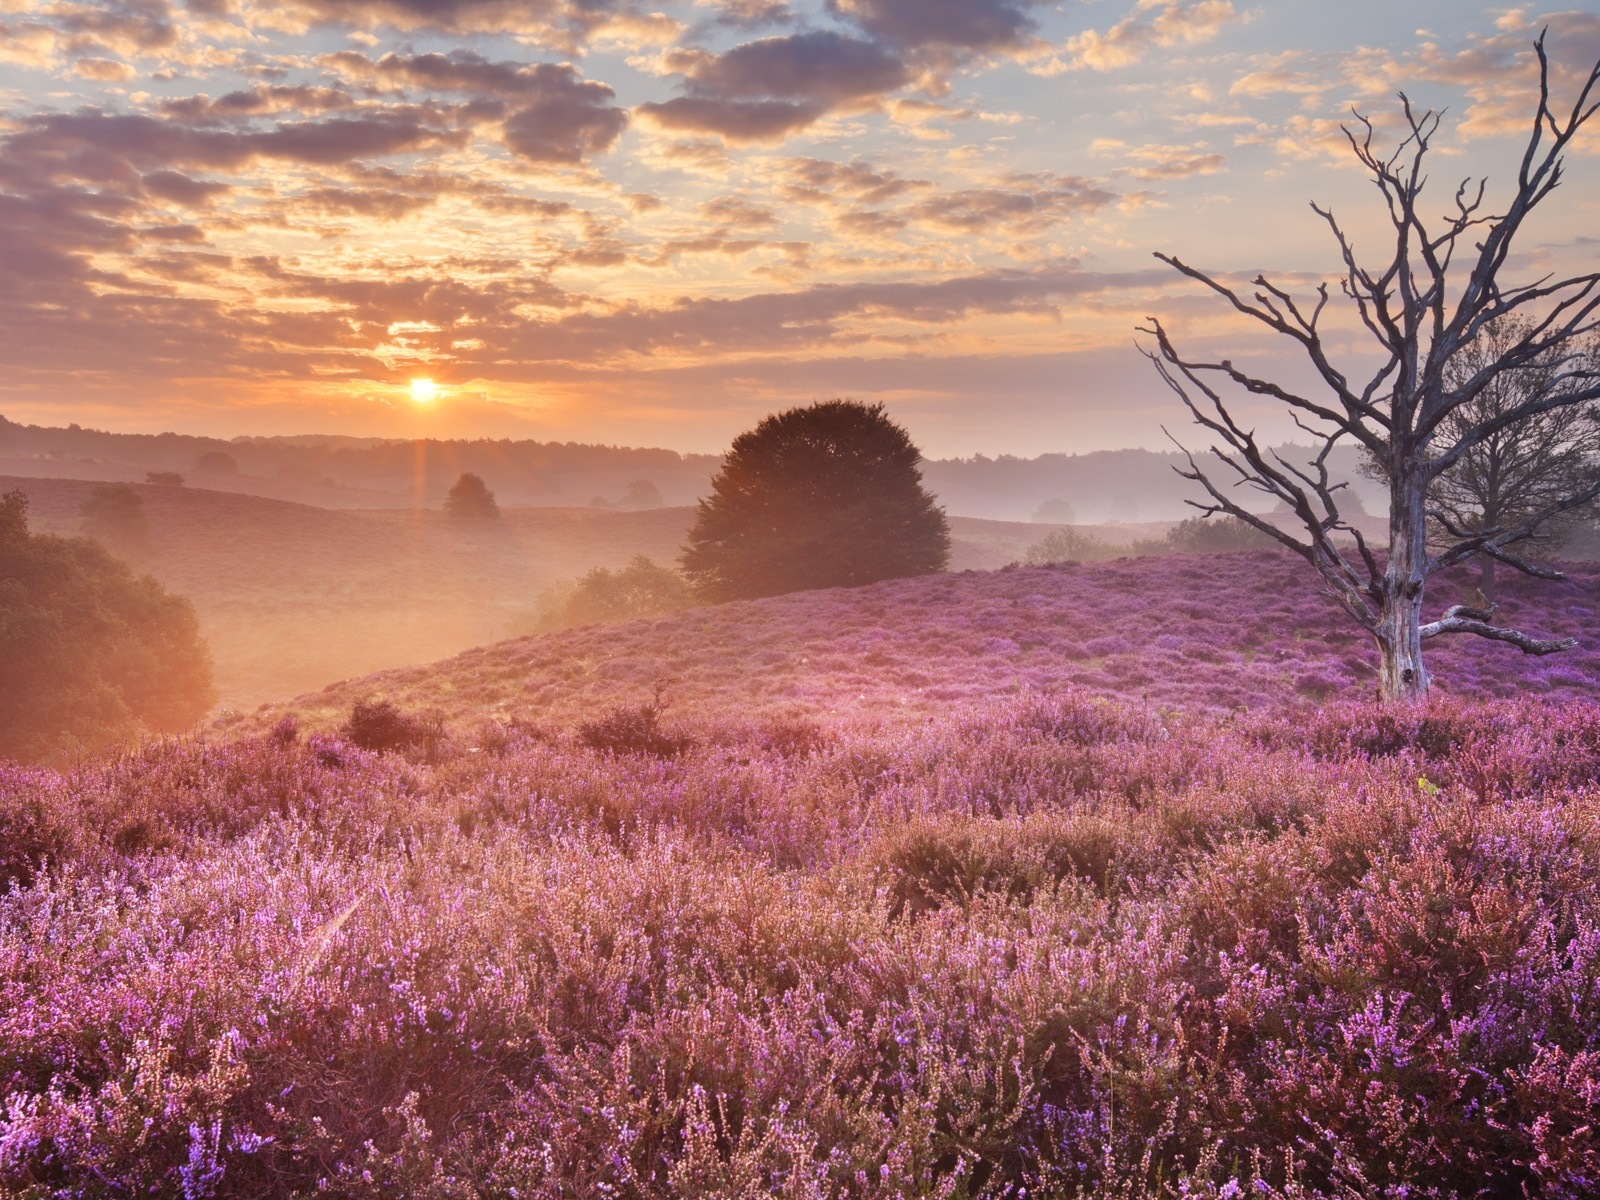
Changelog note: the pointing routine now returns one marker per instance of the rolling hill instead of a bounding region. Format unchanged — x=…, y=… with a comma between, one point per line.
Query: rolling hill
x=1196, y=633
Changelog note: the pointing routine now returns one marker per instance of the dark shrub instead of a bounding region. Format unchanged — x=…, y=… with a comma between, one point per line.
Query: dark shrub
x=90, y=654
x=113, y=515
x=1216, y=535
x=633, y=729
x=31, y=834
x=379, y=725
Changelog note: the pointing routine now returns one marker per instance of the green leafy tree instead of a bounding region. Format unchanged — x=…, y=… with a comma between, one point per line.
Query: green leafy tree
x=89, y=652
x=824, y=496
x=471, y=499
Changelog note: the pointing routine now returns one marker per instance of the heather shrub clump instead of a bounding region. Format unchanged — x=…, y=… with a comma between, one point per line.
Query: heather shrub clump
x=1053, y=943
x=380, y=725
x=633, y=729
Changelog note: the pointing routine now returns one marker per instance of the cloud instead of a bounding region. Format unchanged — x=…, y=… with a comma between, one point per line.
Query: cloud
x=734, y=120
x=259, y=101
x=564, y=25
x=817, y=181
x=569, y=121
x=749, y=14
x=1022, y=204
x=94, y=145
x=810, y=317
x=178, y=188
x=376, y=203
x=1165, y=162
x=559, y=118
x=977, y=25
x=766, y=89
x=1015, y=207
x=1278, y=81
x=1153, y=24
x=107, y=70
x=735, y=212
x=98, y=35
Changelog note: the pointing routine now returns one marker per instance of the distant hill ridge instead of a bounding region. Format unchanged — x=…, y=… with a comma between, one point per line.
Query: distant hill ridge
x=348, y=472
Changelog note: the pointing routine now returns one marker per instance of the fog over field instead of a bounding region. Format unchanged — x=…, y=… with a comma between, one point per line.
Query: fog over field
x=293, y=596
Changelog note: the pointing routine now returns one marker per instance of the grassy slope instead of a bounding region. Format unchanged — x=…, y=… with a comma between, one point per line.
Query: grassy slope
x=1190, y=632
x=1057, y=944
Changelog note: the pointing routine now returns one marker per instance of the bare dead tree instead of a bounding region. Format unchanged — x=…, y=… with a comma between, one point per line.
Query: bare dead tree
x=1424, y=315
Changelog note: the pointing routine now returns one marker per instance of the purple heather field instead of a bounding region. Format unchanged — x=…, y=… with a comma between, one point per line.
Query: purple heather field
x=1195, y=632
x=1098, y=881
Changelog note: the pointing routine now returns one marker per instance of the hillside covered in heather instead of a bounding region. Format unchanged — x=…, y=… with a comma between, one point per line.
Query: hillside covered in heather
x=1088, y=880
x=1198, y=633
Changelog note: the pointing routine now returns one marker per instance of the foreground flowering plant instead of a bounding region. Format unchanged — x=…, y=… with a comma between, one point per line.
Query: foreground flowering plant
x=1050, y=944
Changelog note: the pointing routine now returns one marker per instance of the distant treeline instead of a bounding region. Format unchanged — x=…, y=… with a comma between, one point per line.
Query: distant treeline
x=518, y=470
x=1104, y=485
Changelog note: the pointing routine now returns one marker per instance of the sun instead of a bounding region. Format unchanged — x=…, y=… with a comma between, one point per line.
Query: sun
x=424, y=391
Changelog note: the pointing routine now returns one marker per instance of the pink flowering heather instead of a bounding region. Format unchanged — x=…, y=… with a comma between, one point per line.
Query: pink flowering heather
x=1047, y=945
x=1218, y=632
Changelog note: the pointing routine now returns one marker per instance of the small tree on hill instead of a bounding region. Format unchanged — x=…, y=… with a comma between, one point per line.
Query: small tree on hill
x=824, y=496
x=1221, y=535
x=217, y=462
x=1069, y=545
x=641, y=589
x=471, y=499
x=1421, y=413
x=89, y=653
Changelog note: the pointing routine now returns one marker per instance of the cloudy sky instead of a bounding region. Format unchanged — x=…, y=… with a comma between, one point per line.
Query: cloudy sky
x=652, y=223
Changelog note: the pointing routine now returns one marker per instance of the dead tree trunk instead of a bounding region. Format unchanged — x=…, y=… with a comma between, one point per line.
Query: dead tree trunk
x=1401, y=672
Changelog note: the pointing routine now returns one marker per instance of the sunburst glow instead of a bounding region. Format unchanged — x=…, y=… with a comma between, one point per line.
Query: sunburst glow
x=424, y=391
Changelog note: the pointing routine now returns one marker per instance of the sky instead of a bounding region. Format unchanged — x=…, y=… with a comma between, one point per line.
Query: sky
x=654, y=223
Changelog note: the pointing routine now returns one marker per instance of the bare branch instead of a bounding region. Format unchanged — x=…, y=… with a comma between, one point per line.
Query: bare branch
x=1522, y=641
